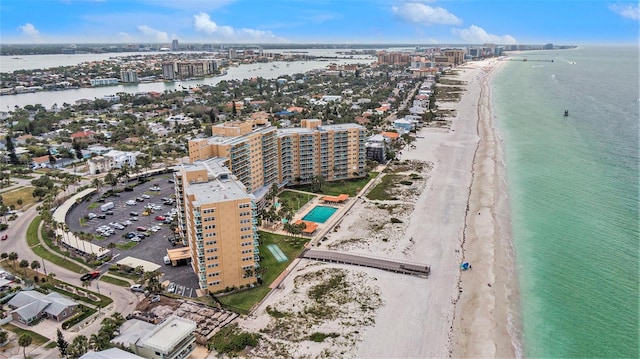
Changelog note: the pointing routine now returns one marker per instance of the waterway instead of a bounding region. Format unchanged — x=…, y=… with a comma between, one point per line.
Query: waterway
x=269, y=70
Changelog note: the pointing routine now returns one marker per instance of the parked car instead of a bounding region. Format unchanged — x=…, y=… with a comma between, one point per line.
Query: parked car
x=4, y=237
x=90, y=275
x=155, y=188
x=137, y=288
x=131, y=202
x=139, y=199
x=155, y=298
x=130, y=235
x=134, y=214
x=91, y=215
x=135, y=239
x=145, y=196
x=135, y=219
x=166, y=260
x=109, y=213
x=126, y=223
x=102, y=216
x=160, y=218
x=142, y=229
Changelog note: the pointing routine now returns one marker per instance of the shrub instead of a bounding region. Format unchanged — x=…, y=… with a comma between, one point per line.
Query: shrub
x=406, y=183
x=395, y=220
x=320, y=337
x=230, y=339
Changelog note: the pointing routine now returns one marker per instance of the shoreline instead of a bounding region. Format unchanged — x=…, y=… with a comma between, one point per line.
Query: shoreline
x=420, y=317
x=487, y=321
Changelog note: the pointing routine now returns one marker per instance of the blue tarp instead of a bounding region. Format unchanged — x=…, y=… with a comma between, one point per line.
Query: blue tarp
x=465, y=266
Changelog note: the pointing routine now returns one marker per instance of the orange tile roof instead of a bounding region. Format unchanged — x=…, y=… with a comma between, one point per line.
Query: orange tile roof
x=309, y=228
x=392, y=135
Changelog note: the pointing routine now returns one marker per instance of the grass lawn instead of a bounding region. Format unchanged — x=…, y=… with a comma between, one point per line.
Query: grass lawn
x=116, y=281
x=32, y=232
x=104, y=300
x=62, y=262
x=37, y=338
x=243, y=301
x=10, y=198
x=296, y=200
x=127, y=245
x=350, y=187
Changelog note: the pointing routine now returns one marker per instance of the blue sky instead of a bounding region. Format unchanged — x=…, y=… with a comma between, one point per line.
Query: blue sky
x=320, y=21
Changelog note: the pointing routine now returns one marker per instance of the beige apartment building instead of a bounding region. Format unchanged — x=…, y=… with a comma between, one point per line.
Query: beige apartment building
x=218, y=222
x=250, y=148
x=232, y=171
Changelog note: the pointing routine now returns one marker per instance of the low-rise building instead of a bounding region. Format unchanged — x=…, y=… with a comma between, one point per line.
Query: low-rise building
x=173, y=338
x=29, y=306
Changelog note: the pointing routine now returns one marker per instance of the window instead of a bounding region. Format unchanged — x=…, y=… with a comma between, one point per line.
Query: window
x=210, y=210
x=208, y=243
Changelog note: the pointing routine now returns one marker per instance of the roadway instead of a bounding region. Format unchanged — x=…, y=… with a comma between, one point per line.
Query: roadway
x=124, y=301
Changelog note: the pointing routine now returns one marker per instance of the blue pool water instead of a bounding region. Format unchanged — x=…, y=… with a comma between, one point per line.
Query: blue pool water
x=319, y=214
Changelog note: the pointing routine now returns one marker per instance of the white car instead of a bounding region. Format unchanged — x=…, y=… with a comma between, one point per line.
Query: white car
x=137, y=288
x=155, y=188
x=118, y=226
x=146, y=196
x=135, y=239
x=135, y=219
x=131, y=202
x=91, y=215
x=126, y=223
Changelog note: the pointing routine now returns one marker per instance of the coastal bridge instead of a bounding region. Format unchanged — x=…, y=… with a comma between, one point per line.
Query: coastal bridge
x=395, y=266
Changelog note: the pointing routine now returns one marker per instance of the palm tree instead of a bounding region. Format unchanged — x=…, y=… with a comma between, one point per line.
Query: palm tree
x=13, y=256
x=35, y=265
x=97, y=183
x=24, y=341
x=24, y=264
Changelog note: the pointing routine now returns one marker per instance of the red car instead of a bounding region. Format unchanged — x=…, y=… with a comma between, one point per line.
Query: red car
x=160, y=218
x=4, y=237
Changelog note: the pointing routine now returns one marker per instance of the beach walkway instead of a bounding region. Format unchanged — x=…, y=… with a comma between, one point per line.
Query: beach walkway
x=395, y=266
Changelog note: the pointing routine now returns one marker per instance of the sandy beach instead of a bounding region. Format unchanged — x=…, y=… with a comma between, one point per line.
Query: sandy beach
x=456, y=209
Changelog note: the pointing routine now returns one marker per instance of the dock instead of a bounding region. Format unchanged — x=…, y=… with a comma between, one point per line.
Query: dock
x=402, y=267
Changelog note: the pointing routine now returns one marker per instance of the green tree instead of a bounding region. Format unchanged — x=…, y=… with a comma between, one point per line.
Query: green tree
x=13, y=256
x=3, y=336
x=24, y=341
x=78, y=347
x=62, y=344
x=24, y=264
x=35, y=265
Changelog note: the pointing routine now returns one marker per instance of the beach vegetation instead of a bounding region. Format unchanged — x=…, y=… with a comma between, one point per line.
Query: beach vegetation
x=320, y=337
x=395, y=220
x=232, y=340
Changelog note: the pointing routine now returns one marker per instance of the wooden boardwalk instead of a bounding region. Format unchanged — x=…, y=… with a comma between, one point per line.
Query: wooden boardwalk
x=416, y=269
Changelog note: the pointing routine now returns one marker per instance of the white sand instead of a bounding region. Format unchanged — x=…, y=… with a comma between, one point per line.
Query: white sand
x=416, y=316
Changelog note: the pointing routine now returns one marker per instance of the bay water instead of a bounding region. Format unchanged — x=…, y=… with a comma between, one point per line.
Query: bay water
x=573, y=187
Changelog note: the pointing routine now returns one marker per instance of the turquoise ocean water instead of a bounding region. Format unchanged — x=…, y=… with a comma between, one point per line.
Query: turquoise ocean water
x=573, y=187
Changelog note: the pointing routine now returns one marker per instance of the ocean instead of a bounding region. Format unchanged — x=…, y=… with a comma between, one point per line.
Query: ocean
x=573, y=189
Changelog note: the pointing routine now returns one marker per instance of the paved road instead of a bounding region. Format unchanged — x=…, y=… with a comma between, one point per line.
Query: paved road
x=124, y=300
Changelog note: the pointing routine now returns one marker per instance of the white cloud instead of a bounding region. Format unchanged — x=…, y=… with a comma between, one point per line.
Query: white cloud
x=203, y=23
x=424, y=14
x=124, y=36
x=160, y=36
x=628, y=11
x=29, y=30
x=477, y=35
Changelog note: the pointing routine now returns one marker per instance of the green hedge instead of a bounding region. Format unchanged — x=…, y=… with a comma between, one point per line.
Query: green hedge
x=85, y=312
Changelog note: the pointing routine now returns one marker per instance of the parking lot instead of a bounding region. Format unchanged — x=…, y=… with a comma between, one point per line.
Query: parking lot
x=151, y=241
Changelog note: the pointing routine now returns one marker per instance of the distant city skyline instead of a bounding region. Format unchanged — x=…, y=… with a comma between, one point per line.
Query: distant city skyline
x=319, y=21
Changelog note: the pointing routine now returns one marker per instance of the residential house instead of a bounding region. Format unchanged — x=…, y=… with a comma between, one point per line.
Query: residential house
x=29, y=306
x=173, y=338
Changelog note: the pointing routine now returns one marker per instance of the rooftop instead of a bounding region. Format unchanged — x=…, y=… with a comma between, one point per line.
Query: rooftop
x=220, y=185
x=165, y=336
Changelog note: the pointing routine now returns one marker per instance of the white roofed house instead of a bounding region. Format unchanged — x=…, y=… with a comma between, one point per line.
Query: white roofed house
x=112, y=159
x=174, y=338
x=29, y=306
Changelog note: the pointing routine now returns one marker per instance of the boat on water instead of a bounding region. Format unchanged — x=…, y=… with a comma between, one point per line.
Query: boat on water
x=566, y=113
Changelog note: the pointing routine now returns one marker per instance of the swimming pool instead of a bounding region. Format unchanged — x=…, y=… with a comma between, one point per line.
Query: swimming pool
x=319, y=214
